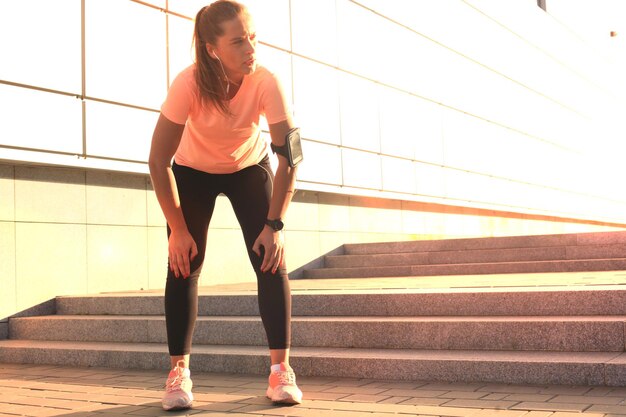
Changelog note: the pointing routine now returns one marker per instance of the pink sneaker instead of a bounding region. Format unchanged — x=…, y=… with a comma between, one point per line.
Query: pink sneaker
x=282, y=386
x=178, y=394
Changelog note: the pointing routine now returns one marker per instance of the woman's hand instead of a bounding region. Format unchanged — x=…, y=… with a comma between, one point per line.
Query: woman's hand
x=274, y=247
x=182, y=250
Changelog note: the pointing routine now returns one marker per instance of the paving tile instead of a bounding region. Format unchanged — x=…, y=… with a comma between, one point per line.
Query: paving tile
x=529, y=397
x=512, y=389
x=413, y=393
x=358, y=390
x=32, y=411
x=452, y=386
x=467, y=395
x=324, y=395
x=395, y=400
x=268, y=409
x=249, y=392
x=158, y=412
x=365, y=398
x=446, y=411
x=566, y=414
x=212, y=414
x=599, y=391
x=426, y=401
x=319, y=380
x=495, y=396
x=617, y=392
x=312, y=387
x=220, y=398
x=349, y=382
x=398, y=385
x=491, y=405
x=500, y=413
x=254, y=385
x=540, y=414
x=530, y=406
x=614, y=409
x=563, y=390
x=587, y=399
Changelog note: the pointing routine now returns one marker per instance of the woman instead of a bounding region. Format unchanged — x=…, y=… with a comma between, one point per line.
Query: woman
x=209, y=123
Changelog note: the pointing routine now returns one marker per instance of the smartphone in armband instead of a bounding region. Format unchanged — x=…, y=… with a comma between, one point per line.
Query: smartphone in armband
x=292, y=149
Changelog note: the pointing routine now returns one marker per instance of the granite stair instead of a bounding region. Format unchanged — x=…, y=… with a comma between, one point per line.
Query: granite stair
x=495, y=255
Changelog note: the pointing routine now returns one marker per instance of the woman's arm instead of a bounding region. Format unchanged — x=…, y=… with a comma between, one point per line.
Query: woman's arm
x=165, y=141
x=284, y=184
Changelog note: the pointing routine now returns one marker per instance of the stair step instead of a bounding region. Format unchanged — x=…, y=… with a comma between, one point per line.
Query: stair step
x=567, y=368
x=525, y=301
x=536, y=333
x=602, y=238
x=613, y=264
x=478, y=256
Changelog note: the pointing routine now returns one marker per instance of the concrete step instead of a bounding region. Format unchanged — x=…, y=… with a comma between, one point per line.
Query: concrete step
x=564, y=368
x=613, y=264
x=603, y=238
x=535, y=333
x=617, y=250
x=512, y=301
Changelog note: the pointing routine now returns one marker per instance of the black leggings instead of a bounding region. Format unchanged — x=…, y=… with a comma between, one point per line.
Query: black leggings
x=249, y=192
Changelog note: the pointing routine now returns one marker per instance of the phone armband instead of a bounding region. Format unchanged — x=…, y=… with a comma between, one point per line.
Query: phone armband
x=292, y=149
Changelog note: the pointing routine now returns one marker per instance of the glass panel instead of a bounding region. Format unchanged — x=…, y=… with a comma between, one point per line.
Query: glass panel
x=398, y=175
x=182, y=53
x=461, y=185
x=359, y=113
x=428, y=125
x=308, y=18
x=41, y=43
x=316, y=157
x=271, y=18
x=58, y=120
x=187, y=8
x=464, y=142
x=430, y=180
x=361, y=38
x=126, y=64
x=119, y=132
x=398, y=122
x=316, y=100
x=410, y=127
x=361, y=169
x=279, y=63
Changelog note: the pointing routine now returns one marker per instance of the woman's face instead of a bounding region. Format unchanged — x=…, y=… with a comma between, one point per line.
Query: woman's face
x=236, y=48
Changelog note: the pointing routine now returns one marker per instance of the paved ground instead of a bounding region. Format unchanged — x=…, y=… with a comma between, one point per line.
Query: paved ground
x=41, y=391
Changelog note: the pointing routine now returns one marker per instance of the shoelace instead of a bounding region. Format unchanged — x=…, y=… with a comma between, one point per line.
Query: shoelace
x=173, y=384
x=286, y=378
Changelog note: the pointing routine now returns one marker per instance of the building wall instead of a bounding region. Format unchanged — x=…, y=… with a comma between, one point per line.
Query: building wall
x=467, y=102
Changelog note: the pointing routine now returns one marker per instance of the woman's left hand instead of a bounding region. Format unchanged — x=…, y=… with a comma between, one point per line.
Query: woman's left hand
x=274, y=247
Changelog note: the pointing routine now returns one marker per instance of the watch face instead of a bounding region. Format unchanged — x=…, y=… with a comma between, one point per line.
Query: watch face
x=275, y=224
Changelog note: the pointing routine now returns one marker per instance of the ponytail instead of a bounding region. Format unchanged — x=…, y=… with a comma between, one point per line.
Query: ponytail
x=209, y=76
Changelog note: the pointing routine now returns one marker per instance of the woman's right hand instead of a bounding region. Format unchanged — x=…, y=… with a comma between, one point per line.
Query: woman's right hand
x=182, y=250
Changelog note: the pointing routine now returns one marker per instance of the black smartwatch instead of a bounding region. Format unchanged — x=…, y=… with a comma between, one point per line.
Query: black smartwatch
x=277, y=224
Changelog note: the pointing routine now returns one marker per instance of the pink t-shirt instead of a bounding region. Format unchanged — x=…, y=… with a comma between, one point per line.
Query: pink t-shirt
x=219, y=144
